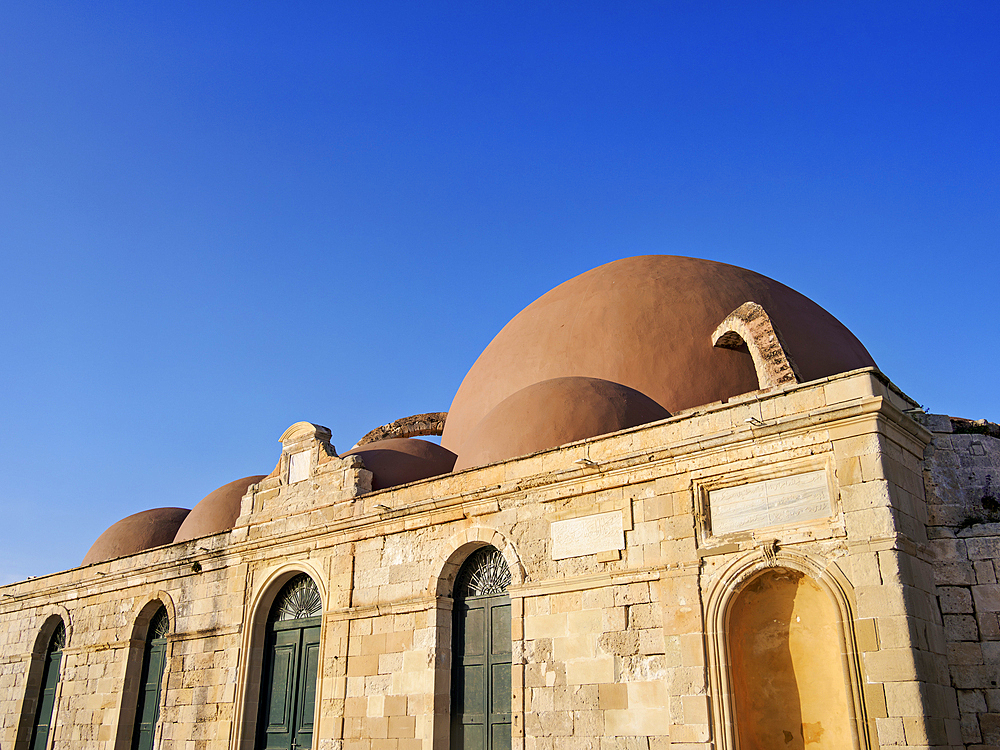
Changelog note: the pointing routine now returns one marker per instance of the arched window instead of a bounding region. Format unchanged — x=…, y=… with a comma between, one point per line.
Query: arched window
x=154, y=658
x=291, y=666
x=481, y=654
x=47, y=694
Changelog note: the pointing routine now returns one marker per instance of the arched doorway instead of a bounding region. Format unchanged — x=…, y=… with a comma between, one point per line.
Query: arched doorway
x=481, y=654
x=154, y=659
x=789, y=678
x=47, y=694
x=291, y=665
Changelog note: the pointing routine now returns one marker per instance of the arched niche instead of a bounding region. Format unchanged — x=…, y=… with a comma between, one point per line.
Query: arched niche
x=481, y=653
x=253, y=652
x=456, y=551
x=54, y=623
x=784, y=666
x=149, y=615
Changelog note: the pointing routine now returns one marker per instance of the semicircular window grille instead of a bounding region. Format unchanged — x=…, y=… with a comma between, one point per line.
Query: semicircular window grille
x=297, y=600
x=485, y=573
x=160, y=625
x=58, y=640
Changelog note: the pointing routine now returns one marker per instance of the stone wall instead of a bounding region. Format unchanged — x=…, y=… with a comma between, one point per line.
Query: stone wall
x=962, y=476
x=621, y=586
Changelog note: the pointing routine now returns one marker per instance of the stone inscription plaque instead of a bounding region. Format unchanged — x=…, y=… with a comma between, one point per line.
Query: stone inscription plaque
x=802, y=497
x=587, y=535
x=298, y=466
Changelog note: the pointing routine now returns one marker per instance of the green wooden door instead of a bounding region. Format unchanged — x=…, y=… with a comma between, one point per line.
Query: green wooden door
x=481, y=689
x=481, y=655
x=291, y=667
x=289, y=695
x=154, y=659
x=47, y=695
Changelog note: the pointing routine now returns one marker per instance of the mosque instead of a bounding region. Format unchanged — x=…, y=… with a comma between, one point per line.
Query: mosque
x=675, y=506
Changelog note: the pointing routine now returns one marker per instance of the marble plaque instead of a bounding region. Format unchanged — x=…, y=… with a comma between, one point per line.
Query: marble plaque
x=298, y=466
x=801, y=497
x=587, y=535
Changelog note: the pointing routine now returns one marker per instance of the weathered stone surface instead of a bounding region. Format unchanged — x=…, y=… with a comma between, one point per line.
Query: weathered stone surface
x=613, y=652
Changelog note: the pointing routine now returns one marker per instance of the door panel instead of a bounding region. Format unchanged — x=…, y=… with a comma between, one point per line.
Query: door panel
x=500, y=737
x=474, y=641
x=500, y=693
x=282, y=683
x=288, y=704
x=473, y=686
x=308, y=673
x=500, y=625
x=481, y=699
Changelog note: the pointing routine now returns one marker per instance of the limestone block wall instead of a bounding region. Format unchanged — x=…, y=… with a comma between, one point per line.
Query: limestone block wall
x=624, y=572
x=100, y=607
x=962, y=470
x=871, y=557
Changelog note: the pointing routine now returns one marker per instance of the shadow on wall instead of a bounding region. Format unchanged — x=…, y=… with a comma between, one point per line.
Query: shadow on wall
x=788, y=676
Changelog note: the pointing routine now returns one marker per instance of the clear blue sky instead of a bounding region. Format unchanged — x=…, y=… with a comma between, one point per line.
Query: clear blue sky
x=220, y=219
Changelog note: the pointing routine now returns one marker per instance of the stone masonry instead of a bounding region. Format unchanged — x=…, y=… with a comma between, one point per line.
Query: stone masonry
x=619, y=646
x=962, y=478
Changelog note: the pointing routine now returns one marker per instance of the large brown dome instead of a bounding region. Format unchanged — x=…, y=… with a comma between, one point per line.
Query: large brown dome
x=396, y=461
x=138, y=532
x=555, y=412
x=217, y=511
x=646, y=322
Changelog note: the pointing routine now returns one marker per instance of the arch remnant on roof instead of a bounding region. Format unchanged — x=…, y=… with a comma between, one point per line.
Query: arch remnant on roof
x=750, y=324
x=407, y=427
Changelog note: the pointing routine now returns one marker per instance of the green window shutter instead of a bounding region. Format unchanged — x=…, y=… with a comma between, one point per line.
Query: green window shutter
x=47, y=696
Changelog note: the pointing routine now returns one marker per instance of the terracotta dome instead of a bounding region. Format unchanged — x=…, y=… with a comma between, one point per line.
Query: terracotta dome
x=217, y=511
x=400, y=460
x=140, y=531
x=555, y=412
x=646, y=322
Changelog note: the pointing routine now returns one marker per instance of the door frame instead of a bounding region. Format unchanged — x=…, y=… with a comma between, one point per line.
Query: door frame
x=250, y=663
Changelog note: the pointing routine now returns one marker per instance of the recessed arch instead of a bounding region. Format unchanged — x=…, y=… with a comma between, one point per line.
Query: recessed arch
x=825, y=599
x=47, y=621
x=481, y=689
x=454, y=553
x=255, y=640
x=463, y=544
x=147, y=656
x=40, y=699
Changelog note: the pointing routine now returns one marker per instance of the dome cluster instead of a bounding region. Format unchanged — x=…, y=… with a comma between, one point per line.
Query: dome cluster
x=625, y=344
x=645, y=323
x=216, y=512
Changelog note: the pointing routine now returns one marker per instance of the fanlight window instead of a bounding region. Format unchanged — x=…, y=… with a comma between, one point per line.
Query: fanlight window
x=58, y=642
x=160, y=626
x=297, y=600
x=485, y=573
x=154, y=660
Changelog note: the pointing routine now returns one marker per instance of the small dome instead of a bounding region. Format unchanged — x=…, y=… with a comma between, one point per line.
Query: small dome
x=647, y=323
x=138, y=532
x=400, y=460
x=555, y=412
x=217, y=511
